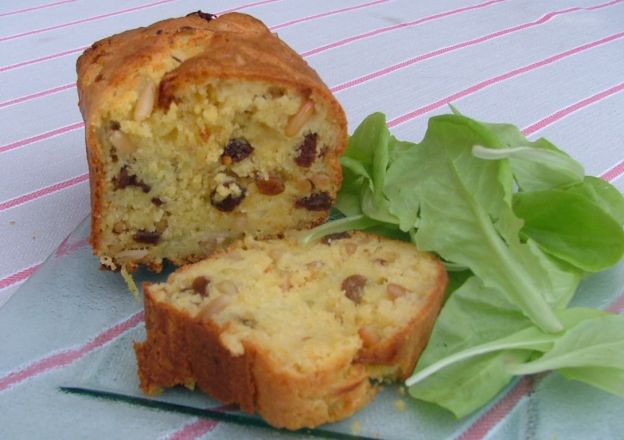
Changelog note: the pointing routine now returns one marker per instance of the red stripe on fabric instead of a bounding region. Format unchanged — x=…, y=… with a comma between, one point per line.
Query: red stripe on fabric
x=613, y=173
x=403, y=64
x=18, y=276
x=40, y=94
x=85, y=20
x=65, y=357
x=35, y=8
x=572, y=108
x=42, y=136
x=193, y=430
x=325, y=14
x=41, y=59
x=397, y=26
x=43, y=192
x=499, y=78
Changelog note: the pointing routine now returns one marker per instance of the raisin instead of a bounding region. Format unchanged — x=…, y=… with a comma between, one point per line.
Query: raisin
x=319, y=201
x=114, y=125
x=156, y=201
x=123, y=180
x=329, y=238
x=200, y=286
x=353, y=287
x=149, y=237
x=236, y=150
x=272, y=186
x=306, y=153
x=232, y=200
x=204, y=15
x=159, y=31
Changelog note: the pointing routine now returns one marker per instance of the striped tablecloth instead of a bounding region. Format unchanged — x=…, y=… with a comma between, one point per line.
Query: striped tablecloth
x=554, y=68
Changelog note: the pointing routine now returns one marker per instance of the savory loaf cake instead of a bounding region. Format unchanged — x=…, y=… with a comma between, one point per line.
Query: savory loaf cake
x=199, y=129
x=302, y=335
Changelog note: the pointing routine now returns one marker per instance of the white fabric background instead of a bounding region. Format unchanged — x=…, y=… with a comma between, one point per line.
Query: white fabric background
x=32, y=225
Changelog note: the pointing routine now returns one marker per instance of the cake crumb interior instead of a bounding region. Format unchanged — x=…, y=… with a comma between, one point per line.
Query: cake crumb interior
x=306, y=306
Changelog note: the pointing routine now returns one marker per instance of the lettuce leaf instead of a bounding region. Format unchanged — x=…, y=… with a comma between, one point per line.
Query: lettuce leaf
x=569, y=226
x=497, y=208
x=463, y=215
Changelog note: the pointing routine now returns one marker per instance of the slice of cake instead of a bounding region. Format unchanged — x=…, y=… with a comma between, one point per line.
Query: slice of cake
x=302, y=335
x=199, y=129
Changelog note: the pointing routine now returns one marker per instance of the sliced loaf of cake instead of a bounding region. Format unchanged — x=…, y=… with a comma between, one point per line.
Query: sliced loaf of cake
x=302, y=335
x=200, y=129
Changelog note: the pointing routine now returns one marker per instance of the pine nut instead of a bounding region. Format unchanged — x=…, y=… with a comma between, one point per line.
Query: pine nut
x=145, y=102
x=298, y=120
x=122, y=142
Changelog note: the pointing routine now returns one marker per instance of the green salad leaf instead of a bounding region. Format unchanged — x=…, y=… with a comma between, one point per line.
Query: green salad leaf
x=602, y=194
x=609, y=379
x=517, y=224
x=571, y=227
x=597, y=342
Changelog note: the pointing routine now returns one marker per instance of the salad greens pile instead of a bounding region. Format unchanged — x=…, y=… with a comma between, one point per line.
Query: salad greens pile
x=518, y=225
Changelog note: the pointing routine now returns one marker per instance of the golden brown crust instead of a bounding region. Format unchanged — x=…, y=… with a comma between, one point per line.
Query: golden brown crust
x=233, y=46
x=180, y=350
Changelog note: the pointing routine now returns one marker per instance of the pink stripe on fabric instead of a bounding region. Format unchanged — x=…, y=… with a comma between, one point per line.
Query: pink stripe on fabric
x=85, y=20
x=403, y=64
x=614, y=172
x=43, y=192
x=248, y=5
x=35, y=8
x=18, y=276
x=194, y=429
x=617, y=306
x=279, y=26
x=65, y=249
x=80, y=49
x=198, y=427
x=42, y=136
x=499, y=78
x=572, y=108
x=42, y=59
x=397, y=26
x=65, y=357
x=40, y=94
x=325, y=14
x=499, y=410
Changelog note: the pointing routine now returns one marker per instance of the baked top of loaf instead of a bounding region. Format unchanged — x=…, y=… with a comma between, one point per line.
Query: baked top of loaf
x=200, y=129
x=311, y=324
